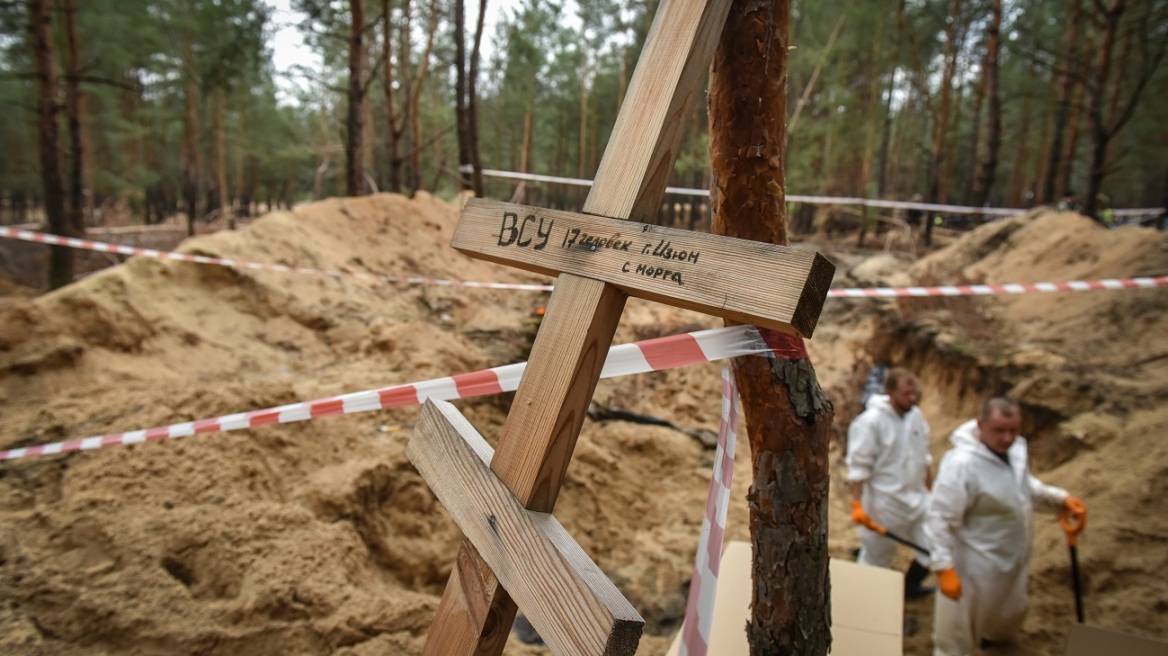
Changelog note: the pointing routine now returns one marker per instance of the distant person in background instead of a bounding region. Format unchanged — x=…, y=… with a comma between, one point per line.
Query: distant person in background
x=980, y=526
x=914, y=214
x=1106, y=214
x=889, y=476
x=1068, y=203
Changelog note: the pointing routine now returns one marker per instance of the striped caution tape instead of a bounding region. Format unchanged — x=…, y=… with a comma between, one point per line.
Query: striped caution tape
x=1012, y=288
x=699, y=610
x=103, y=247
x=649, y=355
x=814, y=200
x=848, y=292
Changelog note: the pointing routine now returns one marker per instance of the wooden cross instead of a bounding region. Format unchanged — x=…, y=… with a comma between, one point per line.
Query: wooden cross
x=514, y=549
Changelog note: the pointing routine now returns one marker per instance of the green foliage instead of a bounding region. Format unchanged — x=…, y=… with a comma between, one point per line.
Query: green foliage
x=875, y=91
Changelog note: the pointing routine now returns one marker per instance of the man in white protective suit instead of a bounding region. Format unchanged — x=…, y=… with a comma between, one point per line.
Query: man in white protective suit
x=980, y=525
x=889, y=474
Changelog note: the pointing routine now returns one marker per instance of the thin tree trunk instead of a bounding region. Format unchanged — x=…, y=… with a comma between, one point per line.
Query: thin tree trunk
x=989, y=165
x=975, y=127
x=938, y=193
x=1101, y=132
x=1066, y=169
x=885, y=138
x=1017, y=182
x=354, y=150
x=823, y=55
x=219, y=140
x=190, y=135
x=788, y=418
x=394, y=131
x=415, y=96
x=460, y=92
x=1066, y=91
x=520, y=195
x=40, y=29
x=473, y=93
x=79, y=187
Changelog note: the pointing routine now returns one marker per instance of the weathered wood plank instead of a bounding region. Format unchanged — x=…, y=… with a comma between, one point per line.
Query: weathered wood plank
x=550, y=404
x=575, y=608
x=748, y=281
x=668, y=82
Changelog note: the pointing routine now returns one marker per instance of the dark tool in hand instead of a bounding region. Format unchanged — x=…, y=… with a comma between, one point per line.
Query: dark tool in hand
x=860, y=517
x=1073, y=521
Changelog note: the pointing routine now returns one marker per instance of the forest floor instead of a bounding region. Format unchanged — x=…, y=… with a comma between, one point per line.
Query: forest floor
x=320, y=538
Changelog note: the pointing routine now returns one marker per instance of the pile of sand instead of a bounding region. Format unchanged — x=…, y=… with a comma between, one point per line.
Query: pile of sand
x=320, y=538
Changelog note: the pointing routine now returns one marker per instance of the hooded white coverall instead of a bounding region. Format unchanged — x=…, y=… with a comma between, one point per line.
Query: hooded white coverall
x=980, y=523
x=890, y=454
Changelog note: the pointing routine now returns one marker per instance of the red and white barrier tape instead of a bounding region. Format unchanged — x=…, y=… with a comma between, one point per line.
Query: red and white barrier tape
x=90, y=245
x=848, y=292
x=649, y=355
x=1012, y=288
x=816, y=200
x=699, y=609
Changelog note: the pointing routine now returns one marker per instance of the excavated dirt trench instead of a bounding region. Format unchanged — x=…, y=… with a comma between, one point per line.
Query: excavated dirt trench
x=320, y=538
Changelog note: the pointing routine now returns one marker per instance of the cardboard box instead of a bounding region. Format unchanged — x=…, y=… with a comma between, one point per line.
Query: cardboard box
x=1092, y=641
x=867, y=608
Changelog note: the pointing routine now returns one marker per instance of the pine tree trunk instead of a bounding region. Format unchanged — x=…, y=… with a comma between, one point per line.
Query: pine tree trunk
x=79, y=187
x=354, y=149
x=40, y=29
x=989, y=164
x=937, y=192
x=460, y=92
x=219, y=141
x=1022, y=138
x=190, y=136
x=473, y=100
x=415, y=97
x=394, y=131
x=1066, y=91
x=1102, y=133
x=788, y=418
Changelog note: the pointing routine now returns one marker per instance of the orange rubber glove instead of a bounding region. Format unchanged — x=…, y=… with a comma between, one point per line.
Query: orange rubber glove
x=860, y=517
x=950, y=583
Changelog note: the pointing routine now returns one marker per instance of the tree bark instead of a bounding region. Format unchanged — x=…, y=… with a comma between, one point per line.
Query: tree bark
x=190, y=135
x=354, y=150
x=1066, y=91
x=788, y=418
x=989, y=164
x=219, y=148
x=395, y=127
x=79, y=186
x=938, y=193
x=40, y=29
x=460, y=92
x=473, y=100
x=415, y=96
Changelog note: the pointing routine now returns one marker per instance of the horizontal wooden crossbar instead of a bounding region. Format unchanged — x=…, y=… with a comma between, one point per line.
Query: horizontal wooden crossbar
x=568, y=599
x=747, y=281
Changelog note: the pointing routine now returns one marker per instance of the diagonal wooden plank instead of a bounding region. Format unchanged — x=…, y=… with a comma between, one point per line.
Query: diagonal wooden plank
x=550, y=404
x=575, y=608
x=748, y=281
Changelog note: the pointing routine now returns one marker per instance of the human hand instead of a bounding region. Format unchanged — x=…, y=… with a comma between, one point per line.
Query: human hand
x=860, y=517
x=950, y=583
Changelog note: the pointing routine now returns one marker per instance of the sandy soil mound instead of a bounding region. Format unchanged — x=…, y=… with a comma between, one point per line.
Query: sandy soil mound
x=320, y=538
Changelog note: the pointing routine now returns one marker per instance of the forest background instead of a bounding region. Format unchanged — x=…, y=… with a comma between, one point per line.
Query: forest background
x=168, y=108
